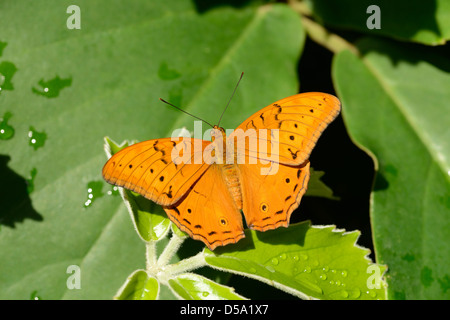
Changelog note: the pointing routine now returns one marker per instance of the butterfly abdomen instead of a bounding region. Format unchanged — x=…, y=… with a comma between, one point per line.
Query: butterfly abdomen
x=230, y=175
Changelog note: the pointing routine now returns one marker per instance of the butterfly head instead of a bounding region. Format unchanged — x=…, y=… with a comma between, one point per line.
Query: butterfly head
x=218, y=133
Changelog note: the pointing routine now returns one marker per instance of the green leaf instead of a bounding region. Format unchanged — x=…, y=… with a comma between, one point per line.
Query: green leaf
x=139, y=286
x=122, y=60
x=191, y=286
x=395, y=105
x=400, y=19
x=317, y=188
x=149, y=219
x=308, y=262
x=178, y=232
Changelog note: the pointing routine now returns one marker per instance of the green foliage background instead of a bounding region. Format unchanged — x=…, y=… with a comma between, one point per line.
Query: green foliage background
x=70, y=88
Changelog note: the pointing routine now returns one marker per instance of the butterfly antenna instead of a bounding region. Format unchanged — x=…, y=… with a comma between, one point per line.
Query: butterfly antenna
x=237, y=84
x=209, y=124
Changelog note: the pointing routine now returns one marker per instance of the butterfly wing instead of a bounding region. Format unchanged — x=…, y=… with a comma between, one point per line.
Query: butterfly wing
x=298, y=120
x=207, y=212
x=271, y=193
x=273, y=186
x=194, y=195
x=161, y=170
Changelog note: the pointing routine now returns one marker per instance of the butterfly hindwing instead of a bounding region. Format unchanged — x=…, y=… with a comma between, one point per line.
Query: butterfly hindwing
x=207, y=212
x=271, y=193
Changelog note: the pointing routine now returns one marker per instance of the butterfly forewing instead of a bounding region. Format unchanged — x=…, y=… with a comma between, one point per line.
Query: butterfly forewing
x=153, y=169
x=289, y=127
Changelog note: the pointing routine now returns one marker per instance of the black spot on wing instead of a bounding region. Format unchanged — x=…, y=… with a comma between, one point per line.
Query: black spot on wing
x=262, y=117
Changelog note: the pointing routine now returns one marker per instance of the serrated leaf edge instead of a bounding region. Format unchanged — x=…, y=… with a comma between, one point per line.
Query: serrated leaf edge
x=295, y=292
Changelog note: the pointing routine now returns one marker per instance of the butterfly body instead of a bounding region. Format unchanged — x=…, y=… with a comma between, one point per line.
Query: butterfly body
x=261, y=169
x=232, y=181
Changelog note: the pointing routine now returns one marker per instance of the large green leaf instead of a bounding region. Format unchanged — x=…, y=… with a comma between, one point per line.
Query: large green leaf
x=395, y=104
x=406, y=20
x=73, y=87
x=308, y=262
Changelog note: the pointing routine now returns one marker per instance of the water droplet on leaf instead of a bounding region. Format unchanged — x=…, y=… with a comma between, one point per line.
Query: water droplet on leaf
x=7, y=71
x=37, y=139
x=52, y=87
x=114, y=191
x=34, y=296
x=30, y=182
x=270, y=268
x=6, y=131
x=355, y=294
x=166, y=73
x=94, y=189
x=2, y=46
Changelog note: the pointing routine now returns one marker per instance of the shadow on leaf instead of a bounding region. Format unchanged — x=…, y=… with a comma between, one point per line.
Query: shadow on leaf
x=14, y=197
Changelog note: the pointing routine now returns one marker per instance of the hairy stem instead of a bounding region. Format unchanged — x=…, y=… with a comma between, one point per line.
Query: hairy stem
x=171, y=248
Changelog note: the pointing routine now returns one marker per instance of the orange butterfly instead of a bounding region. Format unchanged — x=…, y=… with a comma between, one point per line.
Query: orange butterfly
x=262, y=169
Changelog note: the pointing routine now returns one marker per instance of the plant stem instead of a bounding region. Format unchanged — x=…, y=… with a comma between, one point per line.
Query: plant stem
x=186, y=265
x=300, y=6
x=150, y=254
x=329, y=40
x=318, y=32
x=171, y=248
